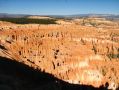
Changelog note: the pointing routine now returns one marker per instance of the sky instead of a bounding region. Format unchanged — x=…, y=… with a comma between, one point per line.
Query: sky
x=59, y=7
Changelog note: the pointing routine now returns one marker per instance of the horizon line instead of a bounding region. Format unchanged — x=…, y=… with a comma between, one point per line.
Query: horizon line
x=61, y=14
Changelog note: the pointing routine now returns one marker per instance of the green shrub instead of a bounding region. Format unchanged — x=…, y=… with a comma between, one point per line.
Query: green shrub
x=113, y=56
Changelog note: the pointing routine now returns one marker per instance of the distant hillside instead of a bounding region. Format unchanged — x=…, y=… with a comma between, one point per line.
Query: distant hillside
x=6, y=15
x=107, y=16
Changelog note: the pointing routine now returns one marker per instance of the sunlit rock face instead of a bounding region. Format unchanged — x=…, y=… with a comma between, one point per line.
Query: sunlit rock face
x=73, y=53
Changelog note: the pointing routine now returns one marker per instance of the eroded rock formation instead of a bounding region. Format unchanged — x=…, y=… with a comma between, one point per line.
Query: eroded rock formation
x=73, y=53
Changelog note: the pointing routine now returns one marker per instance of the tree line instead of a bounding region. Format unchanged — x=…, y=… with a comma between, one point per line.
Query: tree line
x=29, y=21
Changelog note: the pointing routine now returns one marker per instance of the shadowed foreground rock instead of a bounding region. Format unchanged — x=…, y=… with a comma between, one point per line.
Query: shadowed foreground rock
x=18, y=76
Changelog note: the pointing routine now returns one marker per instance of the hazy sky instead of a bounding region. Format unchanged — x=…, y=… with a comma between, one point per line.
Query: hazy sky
x=59, y=7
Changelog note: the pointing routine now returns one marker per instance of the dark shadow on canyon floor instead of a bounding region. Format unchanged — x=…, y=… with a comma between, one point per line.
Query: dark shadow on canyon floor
x=17, y=76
